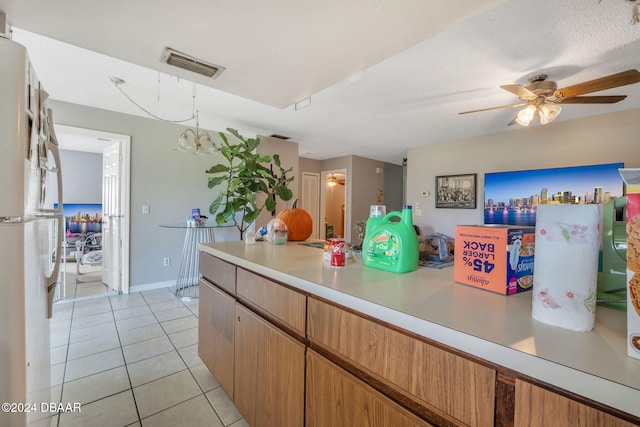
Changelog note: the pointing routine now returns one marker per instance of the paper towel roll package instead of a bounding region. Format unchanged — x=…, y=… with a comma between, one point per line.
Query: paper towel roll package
x=566, y=265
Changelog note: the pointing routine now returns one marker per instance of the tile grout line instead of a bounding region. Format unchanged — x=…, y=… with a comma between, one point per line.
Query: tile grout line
x=126, y=367
x=145, y=302
x=186, y=364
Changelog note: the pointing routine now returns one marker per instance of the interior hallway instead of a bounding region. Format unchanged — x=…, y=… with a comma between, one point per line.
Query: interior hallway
x=131, y=360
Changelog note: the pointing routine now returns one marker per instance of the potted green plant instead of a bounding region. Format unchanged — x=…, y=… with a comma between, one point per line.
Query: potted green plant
x=245, y=174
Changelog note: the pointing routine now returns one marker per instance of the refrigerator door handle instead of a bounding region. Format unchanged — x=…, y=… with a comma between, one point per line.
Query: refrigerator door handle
x=51, y=145
x=52, y=280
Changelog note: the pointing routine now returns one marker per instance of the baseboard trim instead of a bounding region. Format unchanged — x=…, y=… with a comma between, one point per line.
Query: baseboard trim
x=152, y=286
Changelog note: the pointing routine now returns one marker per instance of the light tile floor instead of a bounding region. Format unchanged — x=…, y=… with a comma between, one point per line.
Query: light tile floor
x=88, y=284
x=132, y=360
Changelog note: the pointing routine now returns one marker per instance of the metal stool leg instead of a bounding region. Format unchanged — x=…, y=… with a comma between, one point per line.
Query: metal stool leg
x=189, y=272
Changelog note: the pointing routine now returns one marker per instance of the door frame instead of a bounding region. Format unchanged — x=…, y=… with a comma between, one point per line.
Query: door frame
x=305, y=199
x=97, y=139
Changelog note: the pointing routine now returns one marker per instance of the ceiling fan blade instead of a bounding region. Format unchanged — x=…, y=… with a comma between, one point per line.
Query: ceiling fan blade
x=520, y=91
x=494, y=108
x=614, y=80
x=593, y=99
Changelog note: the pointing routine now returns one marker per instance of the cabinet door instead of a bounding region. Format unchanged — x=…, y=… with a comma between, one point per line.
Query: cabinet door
x=536, y=406
x=448, y=384
x=215, y=333
x=269, y=376
x=337, y=398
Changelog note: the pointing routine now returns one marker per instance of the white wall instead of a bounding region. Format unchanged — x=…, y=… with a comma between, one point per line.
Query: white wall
x=81, y=177
x=601, y=139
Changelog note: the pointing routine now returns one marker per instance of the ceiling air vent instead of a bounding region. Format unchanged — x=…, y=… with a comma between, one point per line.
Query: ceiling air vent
x=275, y=135
x=189, y=63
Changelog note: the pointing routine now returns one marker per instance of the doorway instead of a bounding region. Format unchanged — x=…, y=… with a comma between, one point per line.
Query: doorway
x=333, y=204
x=311, y=199
x=91, y=249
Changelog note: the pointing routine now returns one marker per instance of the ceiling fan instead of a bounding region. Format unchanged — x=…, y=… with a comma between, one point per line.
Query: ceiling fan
x=332, y=181
x=542, y=96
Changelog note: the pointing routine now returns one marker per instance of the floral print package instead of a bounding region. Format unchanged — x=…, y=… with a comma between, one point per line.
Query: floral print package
x=566, y=265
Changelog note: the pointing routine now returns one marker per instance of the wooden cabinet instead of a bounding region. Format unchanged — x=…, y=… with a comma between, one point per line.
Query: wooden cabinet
x=217, y=271
x=453, y=387
x=274, y=300
x=536, y=406
x=216, y=334
x=269, y=373
x=258, y=365
x=337, y=398
x=291, y=359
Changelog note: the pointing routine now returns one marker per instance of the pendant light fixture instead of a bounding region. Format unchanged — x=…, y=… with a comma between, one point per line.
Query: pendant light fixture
x=195, y=141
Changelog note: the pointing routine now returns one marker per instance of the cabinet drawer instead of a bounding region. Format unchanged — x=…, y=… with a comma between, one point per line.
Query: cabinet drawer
x=536, y=406
x=286, y=305
x=218, y=271
x=338, y=399
x=441, y=381
x=215, y=333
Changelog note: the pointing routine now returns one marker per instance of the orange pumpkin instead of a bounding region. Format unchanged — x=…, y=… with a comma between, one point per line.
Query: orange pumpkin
x=298, y=222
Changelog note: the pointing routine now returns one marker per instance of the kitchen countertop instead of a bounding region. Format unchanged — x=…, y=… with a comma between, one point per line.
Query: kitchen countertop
x=494, y=327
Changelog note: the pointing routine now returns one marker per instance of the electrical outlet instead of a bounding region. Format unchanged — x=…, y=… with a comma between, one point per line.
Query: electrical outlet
x=166, y=262
x=145, y=209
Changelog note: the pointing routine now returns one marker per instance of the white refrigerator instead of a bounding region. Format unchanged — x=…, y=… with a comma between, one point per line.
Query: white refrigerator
x=30, y=237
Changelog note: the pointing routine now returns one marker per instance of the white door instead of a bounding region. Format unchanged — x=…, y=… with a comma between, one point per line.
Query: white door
x=311, y=199
x=112, y=217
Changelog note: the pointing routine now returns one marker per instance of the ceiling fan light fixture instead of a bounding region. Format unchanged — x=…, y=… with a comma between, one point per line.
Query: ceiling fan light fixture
x=525, y=115
x=548, y=112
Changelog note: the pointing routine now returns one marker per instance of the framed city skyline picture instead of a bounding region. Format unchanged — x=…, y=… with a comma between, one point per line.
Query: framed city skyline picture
x=82, y=217
x=512, y=197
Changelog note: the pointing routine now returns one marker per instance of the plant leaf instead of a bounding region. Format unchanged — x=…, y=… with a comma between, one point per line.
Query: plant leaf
x=218, y=168
x=215, y=205
x=252, y=215
x=270, y=204
x=264, y=159
x=221, y=218
x=284, y=193
x=224, y=137
x=216, y=180
x=264, y=173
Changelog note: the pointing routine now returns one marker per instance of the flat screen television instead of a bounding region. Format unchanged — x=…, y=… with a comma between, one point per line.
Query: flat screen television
x=513, y=197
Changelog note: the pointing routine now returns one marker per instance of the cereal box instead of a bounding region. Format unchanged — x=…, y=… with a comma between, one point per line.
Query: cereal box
x=494, y=257
x=632, y=180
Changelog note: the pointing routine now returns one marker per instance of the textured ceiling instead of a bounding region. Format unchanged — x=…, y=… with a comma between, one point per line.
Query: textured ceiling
x=382, y=75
